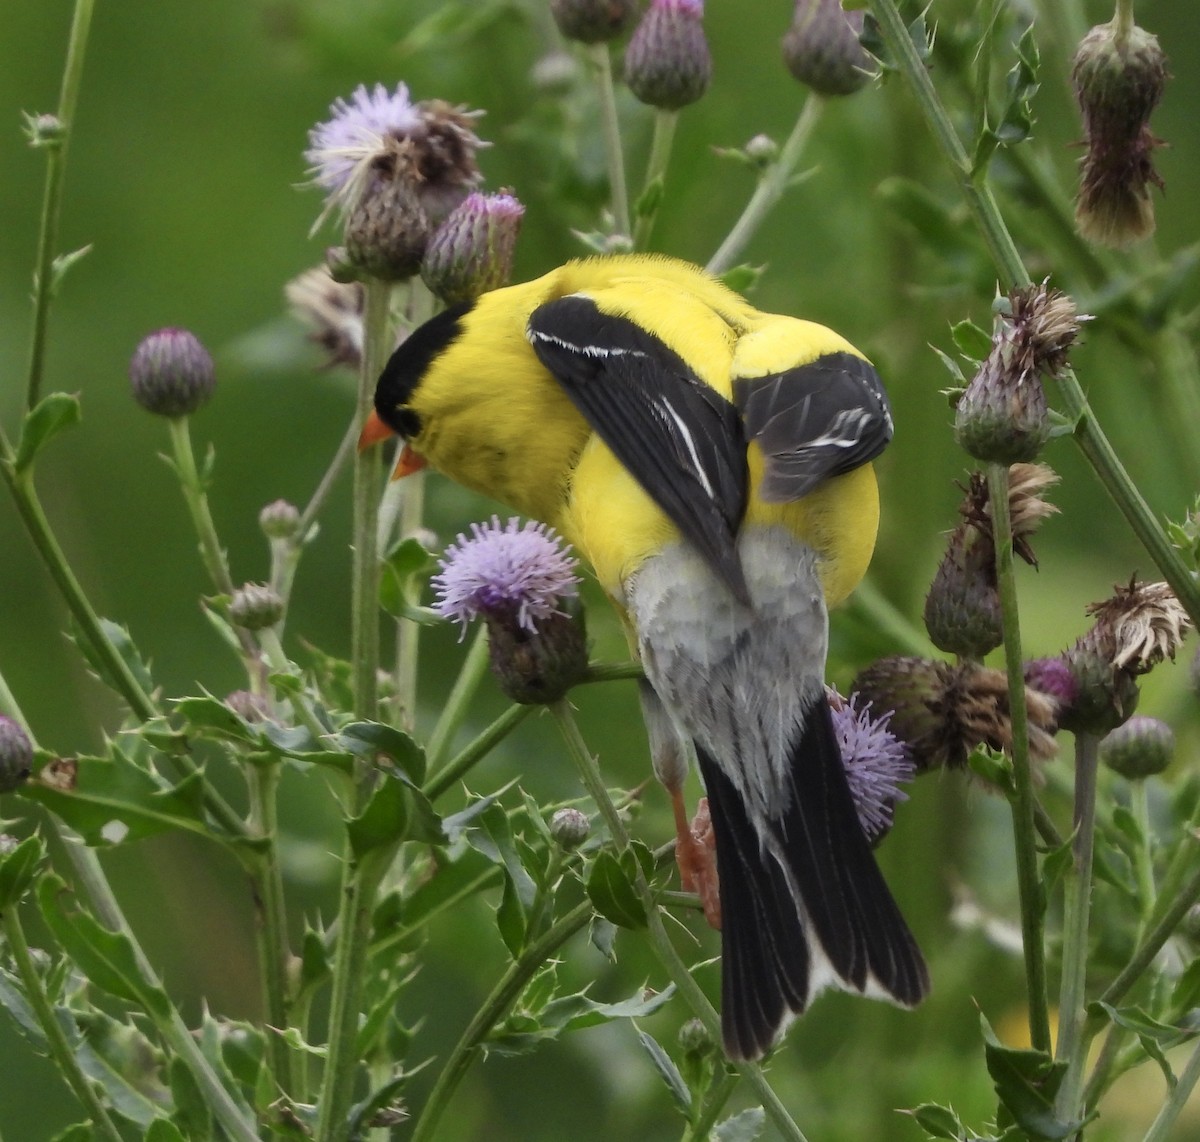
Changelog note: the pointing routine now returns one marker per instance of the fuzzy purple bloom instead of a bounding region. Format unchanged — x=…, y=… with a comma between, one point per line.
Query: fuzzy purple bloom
x=358, y=127
x=520, y=570
x=1054, y=677
x=876, y=763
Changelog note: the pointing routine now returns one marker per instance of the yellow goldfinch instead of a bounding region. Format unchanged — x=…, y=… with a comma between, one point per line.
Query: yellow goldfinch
x=712, y=464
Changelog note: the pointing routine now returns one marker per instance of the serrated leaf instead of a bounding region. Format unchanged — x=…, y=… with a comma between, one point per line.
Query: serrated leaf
x=939, y=1121
x=667, y=1071
x=744, y=1126
x=602, y=934
x=18, y=869
x=121, y=642
x=611, y=889
x=192, y=1114
x=106, y=958
x=163, y=1130
x=53, y=414
x=314, y=961
x=366, y=739
x=1056, y=863
x=1154, y=1036
x=206, y=716
x=112, y=800
x=579, y=1011
x=456, y=824
x=1186, y=993
x=1026, y=1082
x=742, y=278
x=363, y=1114
x=384, y=820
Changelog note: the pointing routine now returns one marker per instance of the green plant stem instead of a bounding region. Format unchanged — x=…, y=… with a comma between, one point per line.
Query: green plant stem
x=470, y=675
x=1123, y=18
x=494, y=1008
x=612, y=672
x=345, y=450
x=56, y=163
x=886, y=618
x=474, y=752
x=408, y=633
x=659, y=939
x=364, y=630
x=234, y=1117
x=665, y=122
x=197, y=501
x=1143, y=858
x=270, y=928
x=701, y=1129
x=278, y=661
x=598, y=56
x=1088, y=435
x=771, y=185
x=60, y=1049
x=1023, y=800
x=1072, y=1012
x=1160, y=1128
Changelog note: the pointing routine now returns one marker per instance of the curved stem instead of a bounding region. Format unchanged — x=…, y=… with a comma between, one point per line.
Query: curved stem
x=59, y=1048
x=465, y=760
x=1160, y=1128
x=56, y=162
x=345, y=450
x=502, y=996
x=1072, y=1009
x=659, y=939
x=194, y=493
x=665, y=122
x=601, y=62
x=770, y=188
x=1023, y=801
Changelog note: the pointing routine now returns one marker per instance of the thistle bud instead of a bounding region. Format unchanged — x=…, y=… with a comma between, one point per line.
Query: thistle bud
x=279, y=520
x=387, y=231
x=171, y=373
x=1138, y=749
x=696, y=1041
x=16, y=755
x=255, y=606
x=569, y=828
x=667, y=62
x=592, y=21
x=248, y=706
x=1118, y=74
x=472, y=251
x=1002, y=416
x=821, y=48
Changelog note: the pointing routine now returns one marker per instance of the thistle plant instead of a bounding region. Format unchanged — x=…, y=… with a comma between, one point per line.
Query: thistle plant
x=487, y=937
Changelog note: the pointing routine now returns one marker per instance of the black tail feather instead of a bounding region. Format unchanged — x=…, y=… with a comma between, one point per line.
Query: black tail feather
x=776, y=946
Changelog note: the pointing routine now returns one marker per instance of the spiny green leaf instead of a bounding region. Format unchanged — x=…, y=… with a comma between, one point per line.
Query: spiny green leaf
x=611, y=889
x=744, y=1126
x=939, y=1121
x=972, y=342
x=119, y=637
x=366, y=739
x=53, y=414
x=1026, y=1082
x=667, y=1071
x=18, y=869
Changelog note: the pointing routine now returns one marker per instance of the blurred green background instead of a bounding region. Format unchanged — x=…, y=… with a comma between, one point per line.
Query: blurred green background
x=185, y=176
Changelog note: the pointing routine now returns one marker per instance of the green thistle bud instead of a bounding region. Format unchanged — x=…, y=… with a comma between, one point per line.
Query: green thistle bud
x=1119, y=74
x=821, y=48
x=279, y=520
x=667, y=62
x=569, y=828
x=387, y=230
x=255, y=606
x=171, y=373
x=1138, y=749
x=696, y=1041
x=592, y=21
x=16, y=755
x=1002, y=416
x=472, y=251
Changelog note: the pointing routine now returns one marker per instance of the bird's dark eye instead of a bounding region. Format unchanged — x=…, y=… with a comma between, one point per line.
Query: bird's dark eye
x=406, y=422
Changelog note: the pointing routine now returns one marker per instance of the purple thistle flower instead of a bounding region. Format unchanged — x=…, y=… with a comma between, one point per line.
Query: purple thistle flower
x=357, y=129
x=515, y=570
x=876, y=762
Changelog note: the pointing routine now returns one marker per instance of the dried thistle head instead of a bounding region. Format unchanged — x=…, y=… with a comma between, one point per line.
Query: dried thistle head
x=333, y=312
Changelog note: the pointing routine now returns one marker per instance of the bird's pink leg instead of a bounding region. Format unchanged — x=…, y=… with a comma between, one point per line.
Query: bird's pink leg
x=696, y=855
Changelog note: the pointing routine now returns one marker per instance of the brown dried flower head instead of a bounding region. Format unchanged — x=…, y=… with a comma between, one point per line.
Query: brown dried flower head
x=1143, y=623
x=333, y=312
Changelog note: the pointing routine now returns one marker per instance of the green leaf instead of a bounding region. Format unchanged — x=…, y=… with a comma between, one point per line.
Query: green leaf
x=118, y=636
x=1026, y=1082
x=611, y=889
x=106, y=958
x=650, y=199
x=366, y=739
x=1155, y=1037
x=192, y=1114
x=163, y=1130
x=383, y=822
x=209, y=717
x=63, y=264
x=379, y=1103
x=314, y=961
x=743, y=278
x=1055, y=864
x=939, y=1121
x=53, y=414
x=973, y=342
x=111, y=799
x=18, y=869
x=404, y=573
x=667, y=1071
x=744, y=1126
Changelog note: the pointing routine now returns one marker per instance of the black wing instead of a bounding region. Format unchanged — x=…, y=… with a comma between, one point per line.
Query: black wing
x=681, y=440
x=814, y=421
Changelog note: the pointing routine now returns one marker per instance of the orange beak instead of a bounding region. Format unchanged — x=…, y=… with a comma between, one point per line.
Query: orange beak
x=375, y=430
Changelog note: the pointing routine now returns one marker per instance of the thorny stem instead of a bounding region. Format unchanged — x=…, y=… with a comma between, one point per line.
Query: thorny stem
x=1023, y=800
x=598, y=57
x=465, y=685
x=1076, y=915
x=661, y=942
x=980, y=200
x=497, y=1004
x=215, y=562
x=474, y=752
x=770, y=187
x=701, y=1129
x=56, y=162
x=60, y=1049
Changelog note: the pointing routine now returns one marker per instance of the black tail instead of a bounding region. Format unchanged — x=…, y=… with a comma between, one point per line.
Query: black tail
x=803, y=903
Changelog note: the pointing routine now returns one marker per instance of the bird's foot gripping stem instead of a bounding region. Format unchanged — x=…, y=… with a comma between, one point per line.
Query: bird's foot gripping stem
x=696, y=855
